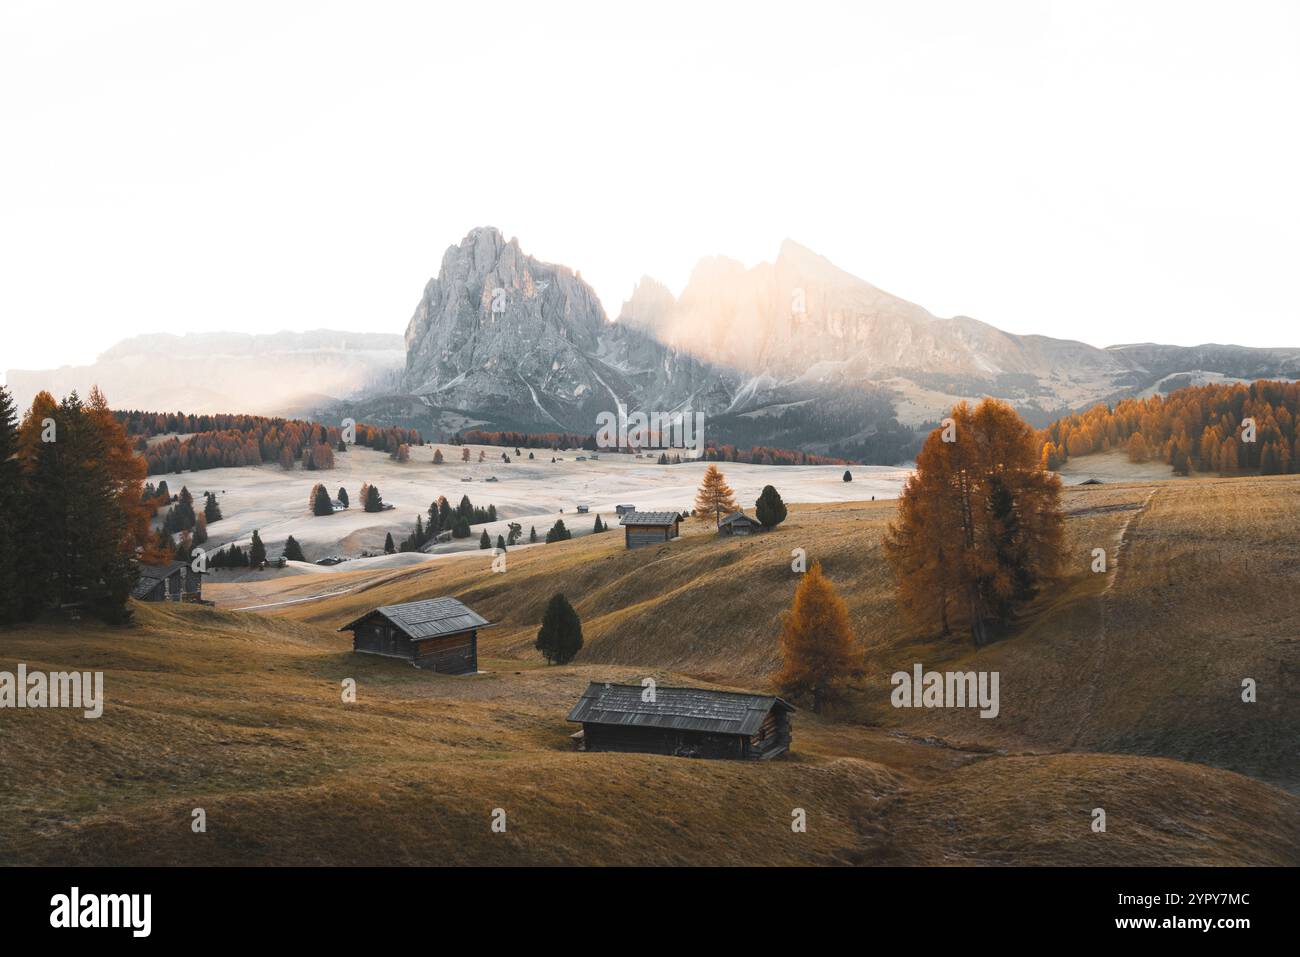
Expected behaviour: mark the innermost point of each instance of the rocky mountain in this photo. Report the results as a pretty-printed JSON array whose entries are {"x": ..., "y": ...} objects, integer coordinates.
[
  {"x": 802, "y": 319},
  {"x": 796, "y": 352},
  {"x": 274, "y": 374},
  {"x": 502, "y": 339}
]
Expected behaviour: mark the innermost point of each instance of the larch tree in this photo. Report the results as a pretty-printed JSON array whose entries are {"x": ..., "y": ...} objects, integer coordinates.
[
  {"x": 817, "y": 647},
  {"x": 715, "y": 496},
  {"x": 979, "y": 525}
]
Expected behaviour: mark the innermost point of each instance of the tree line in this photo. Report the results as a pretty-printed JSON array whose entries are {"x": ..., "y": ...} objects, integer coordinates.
[
  {"x": 73, "y": 517},
  {"x": 1197, "y": 428},
  {"x": 243, "y": 440}
]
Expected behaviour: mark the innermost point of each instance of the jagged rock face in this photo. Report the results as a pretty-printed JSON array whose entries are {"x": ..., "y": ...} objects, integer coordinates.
[{"x": 524, "y": 343}]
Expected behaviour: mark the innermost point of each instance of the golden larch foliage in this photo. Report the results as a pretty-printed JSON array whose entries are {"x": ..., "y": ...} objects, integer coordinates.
[{"x": 817, "y": 647}]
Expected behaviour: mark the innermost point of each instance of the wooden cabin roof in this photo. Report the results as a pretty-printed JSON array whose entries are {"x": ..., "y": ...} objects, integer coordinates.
[
  {"x": 427, "y": 619},
  {"x": 649, "y": 518},
  {"x": 736, "y": 518},
  {"x": 682, "y": 709}
]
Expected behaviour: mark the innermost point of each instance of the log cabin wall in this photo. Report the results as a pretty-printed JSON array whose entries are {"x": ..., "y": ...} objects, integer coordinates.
[
  {"x": 449, "y": 655},
  {"x": 605, "y": 737}
]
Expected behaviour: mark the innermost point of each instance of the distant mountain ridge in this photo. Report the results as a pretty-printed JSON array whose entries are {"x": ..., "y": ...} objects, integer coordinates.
[
  {"x": 271, "y": 374},
  {"x": 796, "y": 351}
]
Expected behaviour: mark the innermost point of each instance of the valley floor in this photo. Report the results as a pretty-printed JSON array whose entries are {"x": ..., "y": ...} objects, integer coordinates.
[{"x": 1119, "y": 691}]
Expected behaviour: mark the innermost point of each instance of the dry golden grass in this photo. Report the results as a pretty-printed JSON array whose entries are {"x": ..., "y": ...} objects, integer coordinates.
[{"x": 241, "y": 714}]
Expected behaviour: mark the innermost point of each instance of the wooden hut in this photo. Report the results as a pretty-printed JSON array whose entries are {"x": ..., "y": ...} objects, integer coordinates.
[
  {"x": 174, "y": 581},
  {"x": 738, "y": 523},
  {"x": 649, "y": 528},
  {"x": 686, "y": 722},
  {"x": 440, "y": 634}
]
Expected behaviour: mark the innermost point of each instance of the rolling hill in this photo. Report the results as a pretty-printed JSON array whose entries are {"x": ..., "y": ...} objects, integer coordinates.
[{"x": 1119, "y": 691}]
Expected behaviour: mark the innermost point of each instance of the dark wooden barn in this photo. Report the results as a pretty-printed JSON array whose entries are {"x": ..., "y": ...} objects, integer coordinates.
[
  {"x": 687, "y": 722},
  {"x": 649, "y": 528},
  {"x": 738, "y": 523},
  {"x": 440, "y": 634},
  {"x": 174, "y": 581}
]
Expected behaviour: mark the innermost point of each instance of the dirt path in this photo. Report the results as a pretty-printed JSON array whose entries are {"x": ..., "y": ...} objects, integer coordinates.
[{"x": 1097, "y": 671}]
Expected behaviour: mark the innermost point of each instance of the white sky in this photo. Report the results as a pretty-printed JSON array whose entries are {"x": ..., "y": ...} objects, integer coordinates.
[{"x": 1108, "y": 172}]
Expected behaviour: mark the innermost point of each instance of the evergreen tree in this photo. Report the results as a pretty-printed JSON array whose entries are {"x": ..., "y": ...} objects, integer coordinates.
[
  {"x": 321, "y": 504},
  {"x": 343, "y": 496},
  {"x": 769, "y": 509},
  {"x": 558, "y": 532},
  {"x": 11, "y": 494},
  {"x": 389, "y": 547},
  {"x": 532, "y": 534},
  {"x": 256, "y": 552},
  {"x": 599, "y": 526},
  {"x": 560, "y": 637},
  {"x": 211, "y": 510},
  {"x": 293, "y": 551},
  {"x": 848, "y": 476},
  {"x": 501, "y": 543},
  {"x": 437, "y": 456},
  {"x": 460, "y": 528},
  {"x": 373, "y": 501},
  {"x": 484, "y": 540}
]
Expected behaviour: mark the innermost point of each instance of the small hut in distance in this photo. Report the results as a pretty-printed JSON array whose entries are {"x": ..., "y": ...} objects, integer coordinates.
[
  {"x": 738, "y": 523},
  {"x": 440, "y": 634},
  {"x": 686, "y": 722},
  {"x": 649, "y": 528}
]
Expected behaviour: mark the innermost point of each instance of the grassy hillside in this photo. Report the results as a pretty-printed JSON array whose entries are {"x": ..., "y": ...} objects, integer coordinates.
[
  {"x": 241, "y": 713},
  {"x": 1147, "y": 658}
]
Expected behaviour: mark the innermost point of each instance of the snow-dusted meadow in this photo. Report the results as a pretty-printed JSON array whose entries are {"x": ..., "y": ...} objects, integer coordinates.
[{"x": 534, "y": 493}]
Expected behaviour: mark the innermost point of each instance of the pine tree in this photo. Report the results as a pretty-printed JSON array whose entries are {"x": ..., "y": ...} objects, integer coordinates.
[
  {"x": 343, "y": 496},
  {"x": 501, "y": 543},
  {"x": 211, "y": 510},
  {"x": 532, "y": 534},
  {"x": 817, "y": 649},
  {"x": 460, "y": 527},
  {"x": 848, "y": 476},
  {"x": 389, "y": 547},
  {"x": 715, "y": 496},
  {"x": 256, "y": 552},
  {"x": 374, "y": 503},
  {"x": 558, "y": 532},
  {"x": 560, "y": 637},
  {"x": 11, "y": 494},
  {"x": 599, "y": 526},
  {"x": 293, "y": 551},
  {"x": 484, "y": 540},
  {"x": 321, "y": 504},
  {"x": 769, "y": 509}
]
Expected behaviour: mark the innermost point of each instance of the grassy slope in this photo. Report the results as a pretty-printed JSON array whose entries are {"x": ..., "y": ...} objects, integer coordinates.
[{"x": 240, "y": 713}]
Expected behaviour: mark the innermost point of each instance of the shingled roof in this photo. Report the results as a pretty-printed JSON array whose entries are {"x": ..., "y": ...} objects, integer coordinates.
[
  {"x": 649, "y": 518},
  {"x": 427, "y": 619},
  {"x": 737, "y": 517},
  {"x": 683, "y": 709}
]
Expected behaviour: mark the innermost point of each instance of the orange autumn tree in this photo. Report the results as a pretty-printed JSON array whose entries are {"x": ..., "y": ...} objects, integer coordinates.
[
  {"x": 979, "y": 526},
  {"x": 715, "y": 496},
  {"x": 817, "y": 649},
  {"x": 127, "y": 471}
]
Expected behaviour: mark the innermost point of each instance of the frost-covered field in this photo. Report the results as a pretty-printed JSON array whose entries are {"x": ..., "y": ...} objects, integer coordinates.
[{"x": 533, "y": 493}]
